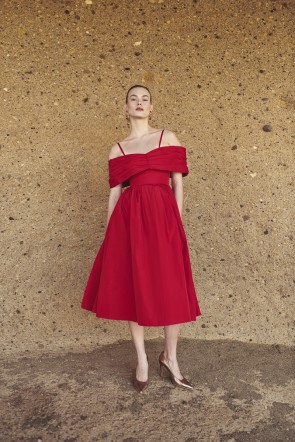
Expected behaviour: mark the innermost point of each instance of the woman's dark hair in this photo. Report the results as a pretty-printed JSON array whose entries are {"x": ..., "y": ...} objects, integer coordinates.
[{"x": 138, "y": 85}]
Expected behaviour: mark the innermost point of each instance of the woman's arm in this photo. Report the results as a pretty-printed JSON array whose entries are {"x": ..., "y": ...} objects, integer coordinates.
[
  {"x": 170, "y": 139},
  {"x": 116, "y": 191},
  {"x": 177, "y": 187},
  {"x": 115, "y": 194}
]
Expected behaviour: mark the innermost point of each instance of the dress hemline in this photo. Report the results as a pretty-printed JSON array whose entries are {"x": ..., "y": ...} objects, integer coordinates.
[{"x": 193, "y": 319}]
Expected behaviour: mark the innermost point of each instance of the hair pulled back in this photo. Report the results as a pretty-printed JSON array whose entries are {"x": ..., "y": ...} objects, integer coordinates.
[{"x": 138, "y": 85}]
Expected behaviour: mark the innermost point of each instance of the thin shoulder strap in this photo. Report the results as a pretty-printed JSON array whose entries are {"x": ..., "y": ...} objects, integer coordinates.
[
  {"x": 161, "y": 137},
  {"x": 121, "y": 149}
]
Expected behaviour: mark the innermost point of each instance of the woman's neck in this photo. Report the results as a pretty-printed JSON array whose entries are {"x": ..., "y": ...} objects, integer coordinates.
[{"x": 139, "y": 128}]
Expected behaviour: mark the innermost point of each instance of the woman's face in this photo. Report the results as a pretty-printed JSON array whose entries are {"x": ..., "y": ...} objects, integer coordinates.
[{"x": 138, "y": 104}]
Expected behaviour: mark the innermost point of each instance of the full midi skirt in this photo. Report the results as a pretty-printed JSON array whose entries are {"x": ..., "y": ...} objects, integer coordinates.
[{"x": 142, "y": 271}]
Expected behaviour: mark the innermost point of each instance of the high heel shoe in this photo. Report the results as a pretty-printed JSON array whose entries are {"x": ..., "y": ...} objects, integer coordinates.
[
  {"x": 183, "y": 383},
  {"x": 140, "y": 385}
]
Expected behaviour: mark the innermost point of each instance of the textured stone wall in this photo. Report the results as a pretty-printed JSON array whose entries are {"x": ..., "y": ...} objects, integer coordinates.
[{"x": 220, "y": 73}]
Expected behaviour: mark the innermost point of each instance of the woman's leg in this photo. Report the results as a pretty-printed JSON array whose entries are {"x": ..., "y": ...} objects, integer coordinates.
[
  {"x": 171, "y": 337},
  {"x": 137, "y": 334}
]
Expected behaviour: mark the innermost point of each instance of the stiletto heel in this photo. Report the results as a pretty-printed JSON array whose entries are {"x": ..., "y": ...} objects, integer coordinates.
[
  {"x": 140, "y": 385},
  {"x": 161, "y": 371},
  {"x": 183, "y": 383}
]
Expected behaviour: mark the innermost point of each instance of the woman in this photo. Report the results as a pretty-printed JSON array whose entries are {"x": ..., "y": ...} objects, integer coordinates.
[{"x": 142, "y": 272}]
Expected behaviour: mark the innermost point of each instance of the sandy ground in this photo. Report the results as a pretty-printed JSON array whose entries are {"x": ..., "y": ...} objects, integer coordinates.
[{"x": 242, "y": 392}]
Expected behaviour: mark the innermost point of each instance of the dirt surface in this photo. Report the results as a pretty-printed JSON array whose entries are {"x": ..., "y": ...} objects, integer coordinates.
[{"x": 242, "y": 392}]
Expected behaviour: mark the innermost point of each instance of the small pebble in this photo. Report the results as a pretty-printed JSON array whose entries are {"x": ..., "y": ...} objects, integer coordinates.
[{"x": 267, "y": 128}]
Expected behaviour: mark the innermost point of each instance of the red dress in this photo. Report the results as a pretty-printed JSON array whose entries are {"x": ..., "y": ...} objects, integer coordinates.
[{"x": 142, "y": 271}]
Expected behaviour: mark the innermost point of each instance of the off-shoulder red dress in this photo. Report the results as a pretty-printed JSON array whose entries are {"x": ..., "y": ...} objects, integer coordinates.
[{"x": 142, "y": 271}]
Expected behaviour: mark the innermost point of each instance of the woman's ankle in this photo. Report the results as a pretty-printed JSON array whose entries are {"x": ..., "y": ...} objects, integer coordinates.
[
  {"x": 169, "y": 358},
  {"x": 142, "y": 358}
]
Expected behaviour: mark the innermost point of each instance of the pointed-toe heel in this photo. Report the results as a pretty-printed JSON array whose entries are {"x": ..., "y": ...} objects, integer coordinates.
[
  {"x": 182, "y": 383},
  {"x": 139, "y": 385}
]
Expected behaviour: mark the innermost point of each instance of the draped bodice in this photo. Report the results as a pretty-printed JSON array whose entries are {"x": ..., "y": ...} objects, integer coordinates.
[
  {"x": 128, "y": 169},
  {"x": 150, "y": 176}
]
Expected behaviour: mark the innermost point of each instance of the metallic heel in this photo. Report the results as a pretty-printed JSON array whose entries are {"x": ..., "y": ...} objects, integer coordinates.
[
  {"x": 162, "y": 370},
  {"x": 182, "y": 383}
]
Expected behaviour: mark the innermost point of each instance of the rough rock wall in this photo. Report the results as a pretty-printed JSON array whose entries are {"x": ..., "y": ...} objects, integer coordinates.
[{"x": 220, "y": 73}]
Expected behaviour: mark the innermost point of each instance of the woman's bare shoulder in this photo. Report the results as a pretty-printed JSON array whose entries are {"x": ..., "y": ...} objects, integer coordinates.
[
  {"x": 170, "y": 138},
  {"x": 115, "y": 152}
]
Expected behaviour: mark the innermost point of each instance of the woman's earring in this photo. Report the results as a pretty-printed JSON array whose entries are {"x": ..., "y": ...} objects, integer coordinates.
[{"x": 150, "y": 115}]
